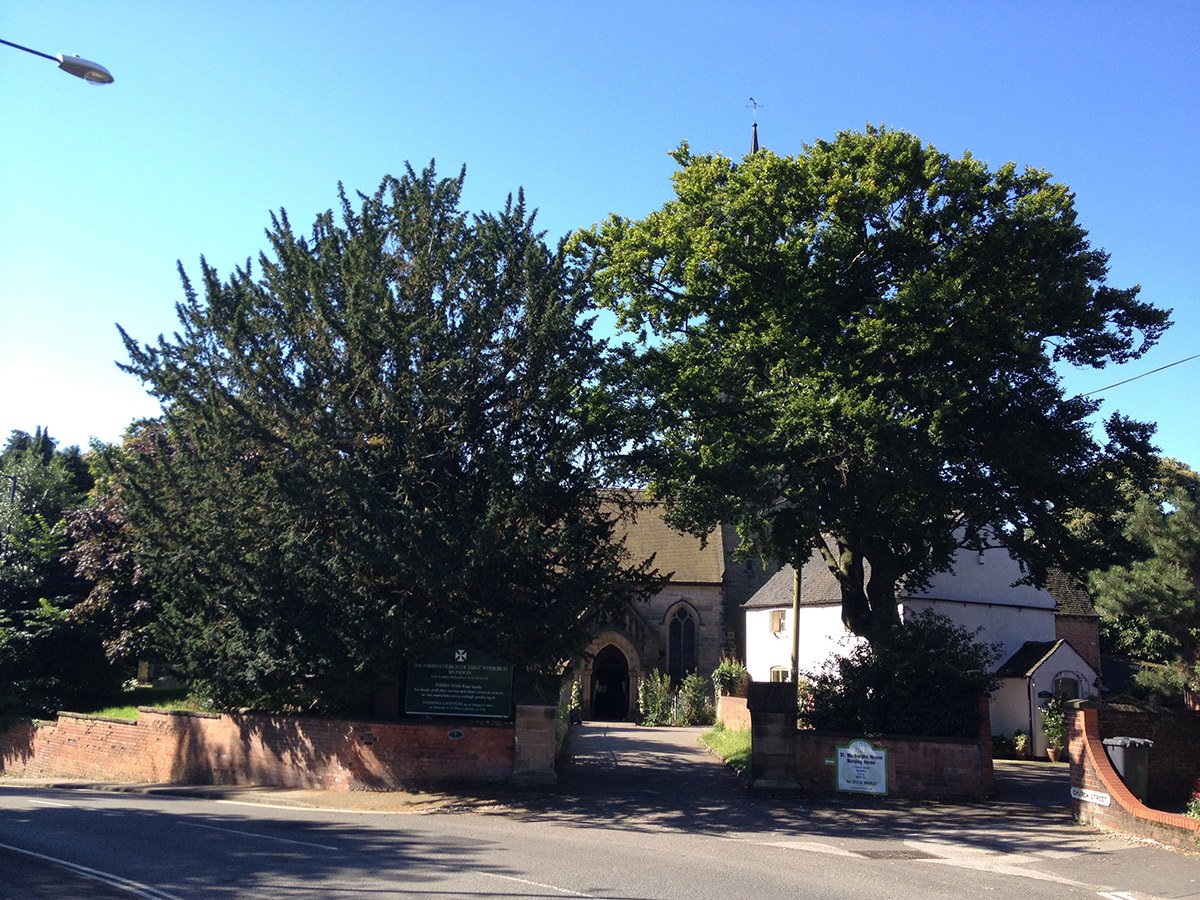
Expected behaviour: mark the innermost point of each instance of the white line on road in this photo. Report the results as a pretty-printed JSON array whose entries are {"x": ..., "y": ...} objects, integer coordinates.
[
  {"x": 265, "y": 837},
  {"x": 537, "y": 884},
  {"x": 51, "y": 803},
  {"x": 810, "y": 846},
  {"x": 136, "y": 888}
]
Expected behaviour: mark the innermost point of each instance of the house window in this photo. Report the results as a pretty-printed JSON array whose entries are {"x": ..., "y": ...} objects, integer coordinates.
[
  {"x": 779, "y": 673},
  {"x": 778, "y": 621},
  {"x": 681, "y": 644},
  {"x": 1066, "y": 687}
]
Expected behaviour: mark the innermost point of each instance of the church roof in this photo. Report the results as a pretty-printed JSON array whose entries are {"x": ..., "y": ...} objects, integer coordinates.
[{"x": 646, "y": 534}]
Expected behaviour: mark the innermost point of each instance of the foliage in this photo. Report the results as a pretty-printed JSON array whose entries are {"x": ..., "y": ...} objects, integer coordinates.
[
  {"x": 1020, "y": 741},
  {"x": 924, "y": 678},
  {"x": 854, "y": 350},
  {"x": 728, "y": 677},
  {"x": 385, "y": 440},
  {"x": 1054, "y": 723},
  {"x": 1150, "y": 608},
  {"x": 103, "y": 551},
  {"x": 48, "y": 662},
  {"x": 654, "y": 699},
  {"x": 693, "y": 705},
  {"x": 731, "y": 744},
  {"x": 1160, "y": 685},
  {"x": 1193, "y": 808}
]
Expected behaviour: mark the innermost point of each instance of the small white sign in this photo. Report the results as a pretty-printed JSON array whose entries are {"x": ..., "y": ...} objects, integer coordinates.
[
  {"x": 862, "y": 768},
  {"x": 1091, "y": 796}
]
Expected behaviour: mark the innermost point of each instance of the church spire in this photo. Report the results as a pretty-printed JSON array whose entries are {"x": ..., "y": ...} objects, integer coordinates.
[{"x": 754, "y": 105}]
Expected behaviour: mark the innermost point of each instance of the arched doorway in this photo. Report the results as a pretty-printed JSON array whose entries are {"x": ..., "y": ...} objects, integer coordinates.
[{"x": 610, "y": 685}]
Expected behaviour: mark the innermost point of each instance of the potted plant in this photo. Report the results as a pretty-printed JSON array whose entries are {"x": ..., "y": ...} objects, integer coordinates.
[
  {"x": 1054, "y": 724},
  {"x": 1020, "y": 743}
]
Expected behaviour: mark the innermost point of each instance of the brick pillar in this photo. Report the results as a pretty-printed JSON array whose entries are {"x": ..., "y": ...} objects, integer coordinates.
[
  {"x": 987, "y": 778},
  {"x": 534, "y": 747},
  {"x": 773, "y": 709}
]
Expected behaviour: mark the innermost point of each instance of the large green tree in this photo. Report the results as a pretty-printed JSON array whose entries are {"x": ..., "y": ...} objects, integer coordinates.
[
  {"x": 854, "y": 350},
  {"x": 1150, "y": 607},
  {"x": 378, "y": 443}
]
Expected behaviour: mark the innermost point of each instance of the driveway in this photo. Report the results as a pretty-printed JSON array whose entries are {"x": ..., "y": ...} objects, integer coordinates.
[{"x": 654, "y": 779}]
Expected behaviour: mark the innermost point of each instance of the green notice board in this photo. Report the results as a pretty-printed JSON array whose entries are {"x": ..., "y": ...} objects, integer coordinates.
[{"x": 459, "y": 682}]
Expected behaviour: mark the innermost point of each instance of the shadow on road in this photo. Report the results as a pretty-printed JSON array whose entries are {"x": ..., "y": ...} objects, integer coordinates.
[{"x": 649, "y": 779}]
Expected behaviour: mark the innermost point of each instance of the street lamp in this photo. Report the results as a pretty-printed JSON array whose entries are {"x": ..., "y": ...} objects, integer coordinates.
[{"x": 92, "y": 73}]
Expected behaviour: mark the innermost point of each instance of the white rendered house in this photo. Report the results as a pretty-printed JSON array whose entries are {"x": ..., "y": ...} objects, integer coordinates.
[{"x": 977, "y": 593}]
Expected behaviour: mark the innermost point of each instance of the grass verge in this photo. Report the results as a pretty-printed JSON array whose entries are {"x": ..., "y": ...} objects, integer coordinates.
[
  {"x": 126, "y": 706},
  {"x": 731, "y": 744}
]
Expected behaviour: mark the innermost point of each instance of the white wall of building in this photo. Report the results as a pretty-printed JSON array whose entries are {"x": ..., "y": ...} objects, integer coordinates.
[
  {"x": 989, "y": 581},
  {"x": 821, "y": 635},
  {"x": 1007, "y": 625}
]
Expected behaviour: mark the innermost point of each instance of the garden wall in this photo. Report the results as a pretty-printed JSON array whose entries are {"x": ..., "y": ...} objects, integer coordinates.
[
  {"x": 168, "y": 746},
  {"x": 732, "y": 712},
  {"x": 783, "y": 756},
  {"x": 1099, "y": 797}
]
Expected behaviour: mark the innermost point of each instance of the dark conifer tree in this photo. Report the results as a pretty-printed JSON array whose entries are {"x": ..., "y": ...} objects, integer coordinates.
[{"x": 379, "y": 443}]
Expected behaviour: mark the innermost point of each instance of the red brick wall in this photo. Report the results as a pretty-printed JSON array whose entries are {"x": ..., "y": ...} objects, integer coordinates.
[
  {"x": 1109, "y": 804},
  {"x": 1175, "y": 756},
  {"x": 916, "y": 767},
  {"x": 919, "y": 768},
  {"x": 732, "y": 712},
  {"x": 200, "y": 748}
]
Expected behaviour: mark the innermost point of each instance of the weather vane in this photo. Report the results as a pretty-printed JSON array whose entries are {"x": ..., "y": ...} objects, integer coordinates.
[{"x": 756, "y": 106}]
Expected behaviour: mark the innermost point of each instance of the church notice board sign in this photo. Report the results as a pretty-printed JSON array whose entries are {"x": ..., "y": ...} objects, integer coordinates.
[
  {"x": 862, "y": 768},
  {"x": 459, "y": 682}
]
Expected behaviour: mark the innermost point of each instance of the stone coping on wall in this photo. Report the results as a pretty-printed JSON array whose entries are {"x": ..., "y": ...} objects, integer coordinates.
[{"x": 1100, "y": 797}]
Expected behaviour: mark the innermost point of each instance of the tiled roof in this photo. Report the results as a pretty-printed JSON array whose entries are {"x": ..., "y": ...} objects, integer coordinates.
[
  {"x": 817, "y": 587},
  {"x": 1069, "y": 596},
  {"x": 1025, "y": 661},
  {"x": 646, "y": 534}
]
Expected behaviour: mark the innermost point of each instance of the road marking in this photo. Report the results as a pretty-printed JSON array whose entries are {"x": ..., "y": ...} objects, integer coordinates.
[
  {"x": 134, "y": 887},
  {"x": 537, "y": 884},
  {"x": 51, "y": 803},
  {"x": 292, "y": 807},
  {"x": 265, "y": 837},
  {"x": 811, "y": 846},
  {"x": 1117, "y": 895}
]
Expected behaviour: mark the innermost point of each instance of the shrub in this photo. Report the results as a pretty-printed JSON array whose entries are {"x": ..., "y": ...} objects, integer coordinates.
[
  {"x": 1020, "y": 742},
  {"x": 693, "y": 706},
  {"x": 922, "y": 677},
  {"x": 1193, "y": 808},
  {"x": 1054, "y": 723},
  {"x": 654, "y": 699},
  {"x": 728, "y": 677}
]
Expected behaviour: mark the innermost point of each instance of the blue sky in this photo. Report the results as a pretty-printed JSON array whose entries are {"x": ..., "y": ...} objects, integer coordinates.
[{"x": 223, "y": 112}]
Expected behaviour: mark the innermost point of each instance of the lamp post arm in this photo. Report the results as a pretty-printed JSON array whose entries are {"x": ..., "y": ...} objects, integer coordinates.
[{"x": 28, "y": 50}]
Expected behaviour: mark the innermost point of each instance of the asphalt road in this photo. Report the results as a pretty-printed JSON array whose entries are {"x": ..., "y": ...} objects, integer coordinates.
[{"x": 640, "y": 813}]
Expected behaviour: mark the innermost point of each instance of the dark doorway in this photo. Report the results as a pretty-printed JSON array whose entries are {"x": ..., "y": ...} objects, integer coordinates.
[{"x": 610, "y": 685}]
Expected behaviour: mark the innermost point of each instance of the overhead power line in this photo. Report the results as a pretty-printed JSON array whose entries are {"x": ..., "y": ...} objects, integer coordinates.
[{"x": 1143, "y": 375}]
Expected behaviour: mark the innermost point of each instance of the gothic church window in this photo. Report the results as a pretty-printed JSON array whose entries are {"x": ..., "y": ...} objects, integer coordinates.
[{"x": 681, "y": 644}]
